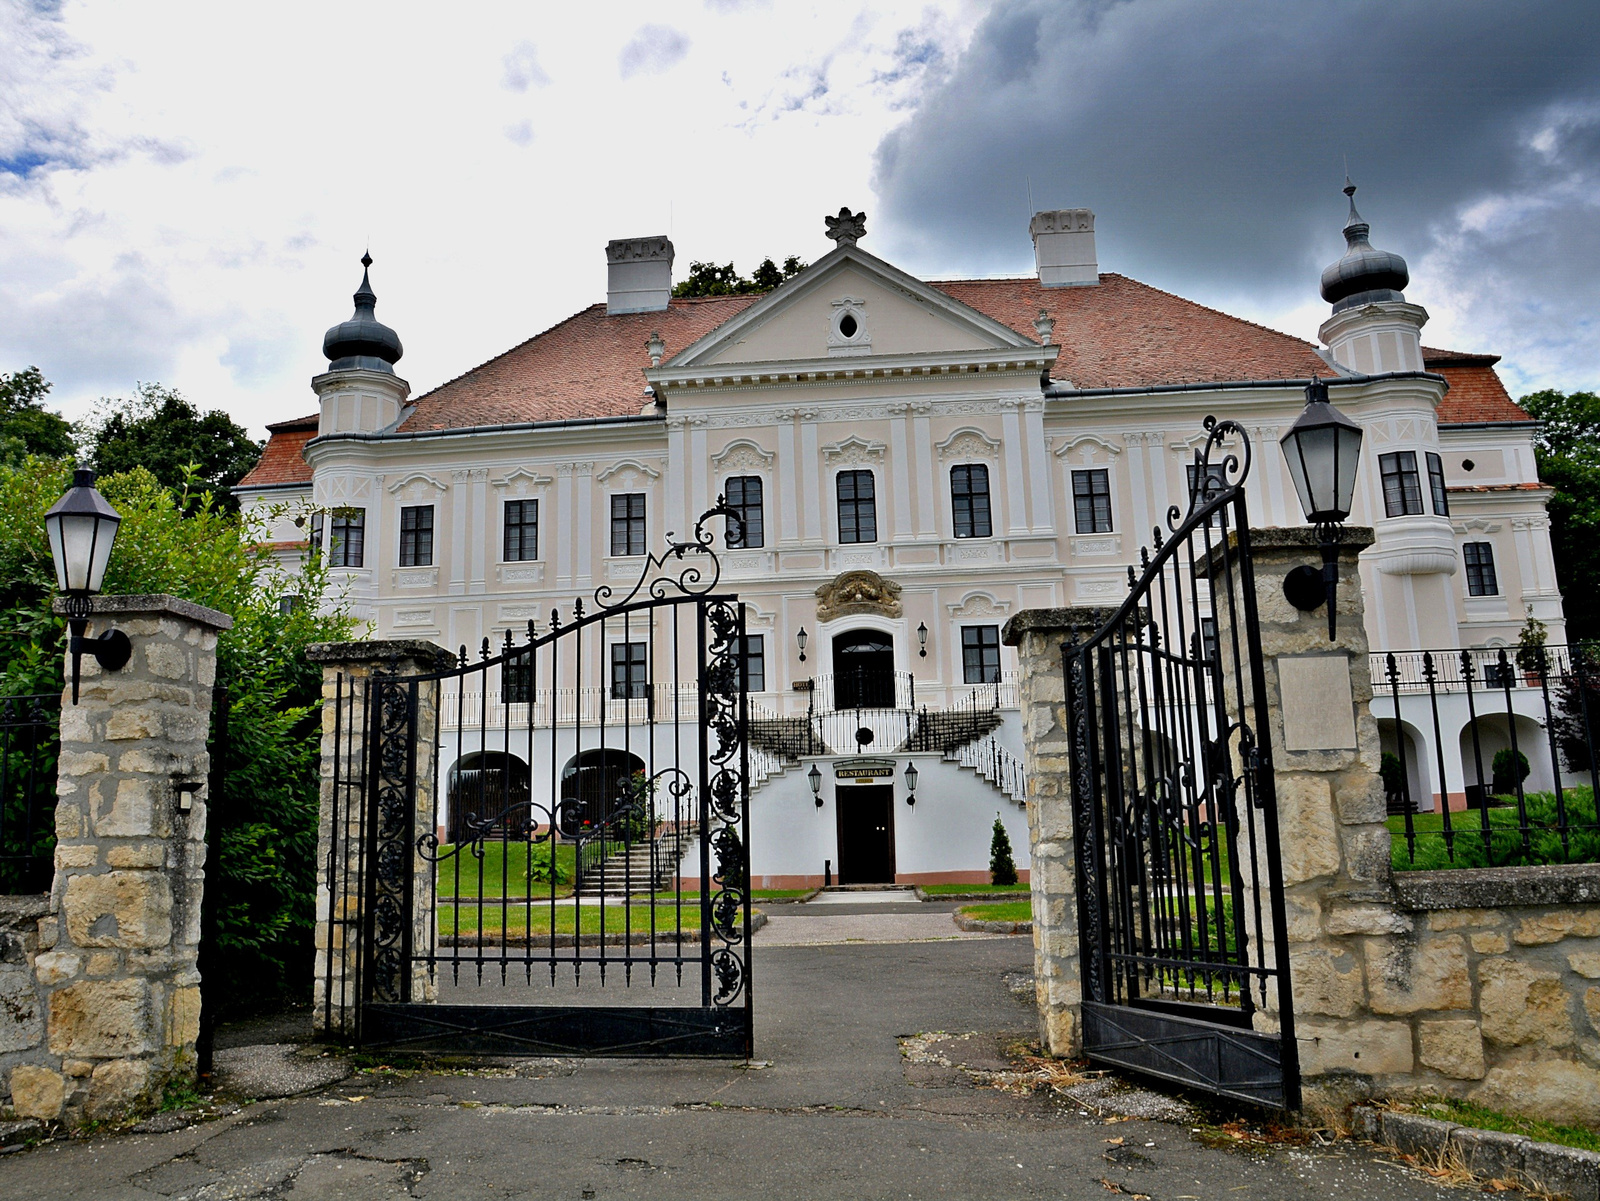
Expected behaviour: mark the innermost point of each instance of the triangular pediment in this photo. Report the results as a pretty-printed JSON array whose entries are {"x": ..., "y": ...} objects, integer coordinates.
[{"x": 850, "y": 306}]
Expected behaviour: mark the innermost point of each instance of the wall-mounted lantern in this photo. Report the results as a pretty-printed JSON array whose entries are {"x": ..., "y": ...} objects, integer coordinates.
[
  {"x": 815, "y": 777},
  {"x": 1323, "y": 450},
  {"x": 82, "y": 528},
  {"x": 911, "y": 783},
  {"x": 922, "y": 639},
  {"x": 800, "y": 638}
]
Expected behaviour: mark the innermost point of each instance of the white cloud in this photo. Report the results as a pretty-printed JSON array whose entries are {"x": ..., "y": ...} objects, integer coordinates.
[
  {"x": 522, "y": 69},
  {"x": 654, "y": 49}
]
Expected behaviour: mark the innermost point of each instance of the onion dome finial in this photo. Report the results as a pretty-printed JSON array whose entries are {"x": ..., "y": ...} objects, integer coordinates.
[
  {"x": 1363, "y": 275},
  {"x": 363, "y": 341}
]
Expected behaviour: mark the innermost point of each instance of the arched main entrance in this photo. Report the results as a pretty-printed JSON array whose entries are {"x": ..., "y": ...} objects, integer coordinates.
[
  {"x": 863, "y": 670},
  {"x": 598, "y": 780}
]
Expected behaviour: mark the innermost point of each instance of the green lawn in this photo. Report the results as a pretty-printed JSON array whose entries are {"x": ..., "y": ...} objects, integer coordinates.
[
  {"x": 1544, "y": 839},
  {"x": 515, "y": 922},
  {"x": 939, "y": 890},
  {"x": 503, "y": 870},
  {"x": 1469, "y": 1113},
  {"x": 1003, "y": 911}
]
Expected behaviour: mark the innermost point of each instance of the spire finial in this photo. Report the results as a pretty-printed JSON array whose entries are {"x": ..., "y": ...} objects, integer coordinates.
[
  {"x": 1354, "y": 218},
  {"x": 365, "y": 297}
]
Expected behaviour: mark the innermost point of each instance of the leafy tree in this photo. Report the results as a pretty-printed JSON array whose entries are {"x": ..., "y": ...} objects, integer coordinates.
[
  {"x": 159, "y": 430},
  {"x": 26, "y": 426},
  {"x": 182, "y": 541},
  {"x": 1568, "y": 451},
  {"x": 711, "y": 279},
  {"x": 1002, "y": 868}
]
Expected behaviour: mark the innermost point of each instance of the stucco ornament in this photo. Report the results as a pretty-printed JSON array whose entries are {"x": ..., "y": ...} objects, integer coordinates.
[
  {"x": 858, "y": 592},
  {"x": 847, "y": 228}
]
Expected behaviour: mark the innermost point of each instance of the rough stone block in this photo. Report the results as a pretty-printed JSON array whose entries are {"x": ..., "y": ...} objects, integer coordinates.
[
  {"x": 101, "y": 1019},
  {"x": 1325, "y": 981},
  {"x": 20, "y": 1025},
  {"x": 183, "y": 1028},
  {"x": 1585, "y": 963},
  {"x": 141, "y": 854},
  {"x": 135, "y": 721},
  {"x": 137, "y": 811},
  {"x": 1367, "y": 1048},
  {"x": 1307, "y": 831},
  {"x": 119, "y": 909},
  {"x": 1541, "y": 928},
  {"x": 1366, "y": 853},
  {"x": 1556, "y": 1090},
  {"x": 52, "y": 967},
  {"x": 37, "y": 1092},
  {"x": 1460, "y": 919},
  {"x": 117, "y": 1088},
  {"x": 1591, "y": 1006},
  {"x": 1452, "y": 1048},
  {"x": 76, "y": 1067},
  {"x": 1489, "y": 1152},
  {"x": 76, "y": 855},
  {"x": 166, "y": 661},
  {"x": 82, "y": 763},
  {"x": 101, "y": 963},
  {"x": 1489, "y": 942},
  {"x": 1403, "y": 977},
  {"x": 1521, "y": 1004},
  {"x": 1366, "y": 919}
]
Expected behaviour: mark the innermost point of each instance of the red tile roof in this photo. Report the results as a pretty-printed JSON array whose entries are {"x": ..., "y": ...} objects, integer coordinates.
[
  {"x": 590, "y": 365},
  {"x": 1124, "y": 334},
  {"x": 281, "y": 462},
  {"x": 1120, "y": 334},
  {"x": 1476, "y": 393}
]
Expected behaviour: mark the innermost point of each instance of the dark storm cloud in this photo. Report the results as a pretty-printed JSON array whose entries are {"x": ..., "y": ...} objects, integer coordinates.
[{"x": 1210, "y": 135}]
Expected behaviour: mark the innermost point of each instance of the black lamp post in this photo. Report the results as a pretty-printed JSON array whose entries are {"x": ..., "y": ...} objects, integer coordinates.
[
  {"x": 1323, "y": 450},
  {"x": 922, "y": 639},
  {"x": 82, "y": 529},
  {"x": 911, "y": 783},
  {"x": 815, "y": 776},
  {"x": 800, "y": 638}
]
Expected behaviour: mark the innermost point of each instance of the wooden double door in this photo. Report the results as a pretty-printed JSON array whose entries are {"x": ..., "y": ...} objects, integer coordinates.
[{"x": 866, "y": 833}]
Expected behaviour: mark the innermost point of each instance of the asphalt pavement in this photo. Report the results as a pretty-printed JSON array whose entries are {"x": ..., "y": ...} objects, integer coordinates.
[{"x": 884, "y": 1069}]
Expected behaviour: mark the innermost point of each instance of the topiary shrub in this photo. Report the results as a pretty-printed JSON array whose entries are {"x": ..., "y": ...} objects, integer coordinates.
[
  {"x": 1509, "y": 772},
  {"x": 1002, "y": 868}
]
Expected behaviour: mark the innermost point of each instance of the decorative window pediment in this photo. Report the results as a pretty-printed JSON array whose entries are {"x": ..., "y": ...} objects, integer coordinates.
[
  {"x": 854, "y": 452},
  {"x": 1088, "y": 448},
  {"x": 968, "y": 443},
  {"x": 416, "y": 486},
  {"x": 743, "y": 455},
  {"x": 979, "y": 604},
  {"x": 629, "y": 473}
]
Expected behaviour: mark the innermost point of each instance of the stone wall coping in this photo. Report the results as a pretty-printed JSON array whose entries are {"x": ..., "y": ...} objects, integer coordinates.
[
  {"x": 153, "y": 604},
  {"x": 1297, "y": 538},
  {"x": 1565, "y": 1171},
  {"x": 24, "y": 908},
  {"x": 1078, "y": 619},
  {"x": 386, "y": 650},
  {"x": 1495, "y": 887}
]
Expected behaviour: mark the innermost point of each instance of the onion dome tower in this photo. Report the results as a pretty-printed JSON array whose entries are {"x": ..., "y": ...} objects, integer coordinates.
[
  {"x": 360, "y": 391},
  {"x": 1373, "y": 329}
]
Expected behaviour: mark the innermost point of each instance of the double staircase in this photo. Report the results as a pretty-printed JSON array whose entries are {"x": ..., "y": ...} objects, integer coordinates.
[{"x": 638, "y": 868}]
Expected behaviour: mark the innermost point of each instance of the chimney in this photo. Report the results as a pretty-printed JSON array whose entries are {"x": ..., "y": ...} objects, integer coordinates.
[
  {"x": 638, "y": 274},
  {"x": 1063, "y": 248}
]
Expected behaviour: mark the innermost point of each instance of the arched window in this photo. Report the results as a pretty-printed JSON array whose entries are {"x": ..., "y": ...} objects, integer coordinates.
[
  {"x": 863, "y": 670},
  {"x": 484, "y": 787},
  {"x": 600, "y": 781}
]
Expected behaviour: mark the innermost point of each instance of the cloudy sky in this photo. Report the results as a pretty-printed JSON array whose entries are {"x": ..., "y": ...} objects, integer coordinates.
[{"x": 185, "y": 188}]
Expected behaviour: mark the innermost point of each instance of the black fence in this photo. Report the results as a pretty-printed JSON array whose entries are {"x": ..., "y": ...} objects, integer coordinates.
[
  {"x": 30, "y": 744},
  {"x": 1523, "y": 707}
]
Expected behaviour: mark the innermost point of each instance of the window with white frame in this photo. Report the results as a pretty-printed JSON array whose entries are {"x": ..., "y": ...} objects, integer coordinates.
[
  {"x": 630, "y": 679},
  {"x": 858, "y": 506},
  {"x": 743, "y": 495},
  {"x": 969, "y": 500},
  {"x": 1479, "y": 560},
  {"x": 1091, "y": 501},
  {"x": 521, "y": 530},
  {"x": 980, "y": 654},
  {"x": 416, "y": 536}
]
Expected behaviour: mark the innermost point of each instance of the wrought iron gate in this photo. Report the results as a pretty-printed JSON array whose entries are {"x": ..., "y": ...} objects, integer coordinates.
[
  {"x": 547, "y": 850},
  {"x": 1180, "y": 904}
]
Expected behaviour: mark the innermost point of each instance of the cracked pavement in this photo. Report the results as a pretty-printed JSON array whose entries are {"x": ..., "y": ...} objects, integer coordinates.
[{"x": 850, "y": 1103}]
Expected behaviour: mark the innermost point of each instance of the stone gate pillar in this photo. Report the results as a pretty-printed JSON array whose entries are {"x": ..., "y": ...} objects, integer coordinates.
[
  {"x": 347, "y": 671},
  {"x": 116, "y": 967},
  {"x": 1039, "y": 635}
]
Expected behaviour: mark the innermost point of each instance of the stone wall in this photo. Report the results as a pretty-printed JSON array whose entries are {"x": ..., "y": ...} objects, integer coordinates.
[
  {"x": 114, "y": 958},
  {"x": 347, "y": 671}
]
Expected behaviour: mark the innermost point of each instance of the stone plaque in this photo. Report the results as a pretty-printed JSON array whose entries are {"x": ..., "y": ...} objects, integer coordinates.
[{"x": 1318, "y": 713}]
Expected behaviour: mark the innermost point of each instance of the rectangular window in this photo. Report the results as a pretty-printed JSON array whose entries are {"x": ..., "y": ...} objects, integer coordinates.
[
  {"x": 1402, "y": 489},
  {"x": 348, "y": 542},
  {"x": 755, "y": 660},
  {"x": 629, "y": 676},
  {"x": 522, "y": 530},
  {"x": 1441, "y": 498},
  {"x": 627, "y": 523},
  {"x": 858, "y": 507},
  {"x": 1091, "y": 501},
  {"x": 1216, "y": 480},
  {"x": 1208, "y": 639},
  {"x": 743, "y": 494},
  {"x": 969, "y": 500},
  {"x": 1479, "y": 558},
  {"x": 416, "y": 536},
  {"x": 980, "y": 654},
  {"x": 516, "y": 679}
]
